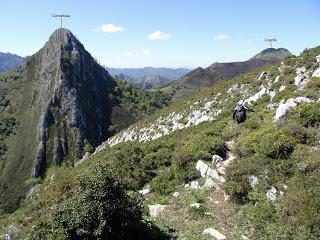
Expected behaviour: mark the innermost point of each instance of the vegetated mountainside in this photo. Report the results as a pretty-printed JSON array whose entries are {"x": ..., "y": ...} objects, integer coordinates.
[
  {"x": 57, "y": 106},
  {"x": 201, "y": 78},
  {"x": 148, "y": 77},
  {"x": 9, "y": 61},
  {"x": 201, "y": 175}
]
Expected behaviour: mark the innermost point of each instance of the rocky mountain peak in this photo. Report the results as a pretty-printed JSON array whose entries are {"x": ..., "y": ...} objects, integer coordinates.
[
  {"x": 273, "y": 54},
  {"x": 62, "y": 36},
  {"x": 66, "y": 104}
]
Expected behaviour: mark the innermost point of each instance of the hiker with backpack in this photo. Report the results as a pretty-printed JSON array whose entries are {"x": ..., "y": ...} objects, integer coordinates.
[{"x": 239, "y": 113}]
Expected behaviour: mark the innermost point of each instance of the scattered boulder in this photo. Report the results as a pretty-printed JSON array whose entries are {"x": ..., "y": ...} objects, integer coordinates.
[
  {"x": 209, "y": 183},
  {"x": 272, "y": 94},
  {"x": 221, "y": 170},
  {"x": 263, "y": 75},
  {"x": 226, "y": 197},
  {"x": 6, "y": 237},
  {"x": 144, "y": 191},
  {"x": 282, "y": 87},
  {"x": 176, "y": 194},
  {"x": 256, "y": 96},
  {"x": 301, "y": 79},
  {"x": 216, "y": 159},
  {"x": 156, "y": 210},
  {"x": 213, "y": 174},
  {"x": 284, "y": 107},
  {"x": 207, "y": 172},
  {"x": 271, "y": 106},
  {"x": 230, "y": 157},
  {"x": 195, "y": 205},
  {"x": 253, "y": 181},
  {"x": 243, "y": 237},
  {"x": 272, "y": 194},
  {"x": 194, "y": 185},
  {"x": 316, "y": 73},
  {"x": 318, "y": 58},
  {"x": 214, "y": 233},
  {"x": 202, "y": 168}
]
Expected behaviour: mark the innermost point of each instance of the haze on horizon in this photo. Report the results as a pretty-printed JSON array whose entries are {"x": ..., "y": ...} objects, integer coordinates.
[{"x": 166, "y": 33}]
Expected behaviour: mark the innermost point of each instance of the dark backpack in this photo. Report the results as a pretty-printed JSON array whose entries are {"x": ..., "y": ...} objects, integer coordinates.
[{"x": 239, "y": 114}]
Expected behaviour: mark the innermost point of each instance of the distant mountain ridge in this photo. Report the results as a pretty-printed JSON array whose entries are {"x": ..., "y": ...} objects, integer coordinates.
[
  {"x": 203, "y": 77},
  {"x": 273, "y": 54},
  {"x": 9, "y": 61},
  {"x": 148, "y": 77}
]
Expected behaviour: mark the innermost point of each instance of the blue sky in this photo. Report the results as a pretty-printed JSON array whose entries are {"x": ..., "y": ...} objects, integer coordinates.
[{"x": 167, "y": 33}]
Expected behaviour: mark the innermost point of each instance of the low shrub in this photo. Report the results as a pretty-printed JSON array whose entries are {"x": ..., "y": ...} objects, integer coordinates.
[
  {"x": 269, "y": 141},
  {"x": 101, "y": 210}
]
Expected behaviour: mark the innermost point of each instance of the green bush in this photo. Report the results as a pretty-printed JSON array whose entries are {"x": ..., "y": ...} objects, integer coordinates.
[
  {"x": 301, "y": 134},
  {"x": 269, "y": 141},
  {"x": 33, "y": 181},
  {"x": 88, "y": 147},
  {"x": 261, "y": 215},
  {"x": 314, "y": 83},
  {"x": 237, "y": 178},
  {"x": 204, "y": 145},
  {"x": 101, "y": 210},
  {"x": 184, "y": 167},
  {"x": 309, "y": 114},
  {"x": 165, "y": 182}
]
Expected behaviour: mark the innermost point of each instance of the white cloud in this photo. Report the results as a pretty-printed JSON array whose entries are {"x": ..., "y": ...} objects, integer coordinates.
[
  {"x": 146, "y": 51},
  {"x": 143, "y": 52},
  {"x": 157, "y": 35},
  {"x": 222, "y": 36},
  {"x": 128, "y": 54},
  {"x": 110, "y": 28}
]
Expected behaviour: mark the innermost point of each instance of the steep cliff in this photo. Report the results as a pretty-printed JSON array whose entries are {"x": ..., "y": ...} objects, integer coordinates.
[{"x": 61, "y": 100}]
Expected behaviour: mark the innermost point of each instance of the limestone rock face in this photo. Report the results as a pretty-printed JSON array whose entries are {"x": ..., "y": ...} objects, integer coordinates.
[
  {"x": 61, "y": 98},
  {"x": 285, "y": 106},
  {"x": 71, "y": 90}
]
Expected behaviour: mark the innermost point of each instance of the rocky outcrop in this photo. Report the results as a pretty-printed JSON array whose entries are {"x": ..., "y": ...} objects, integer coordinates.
[
  {"x": 214, "y": 233},
  {"x": 165, "y": 125},
  {"x": 302, "y": 78},
  {"x": 286, "y": 106}
]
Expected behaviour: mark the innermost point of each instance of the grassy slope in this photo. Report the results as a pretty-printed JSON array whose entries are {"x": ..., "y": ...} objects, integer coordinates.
[{"x": 168, "y": 163}]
